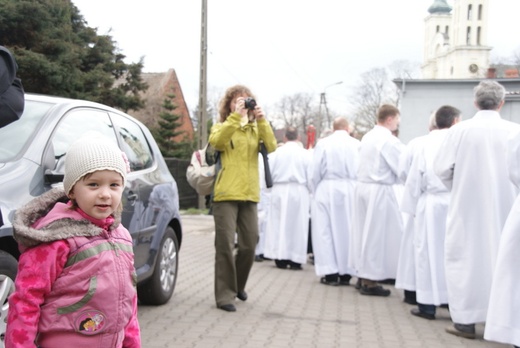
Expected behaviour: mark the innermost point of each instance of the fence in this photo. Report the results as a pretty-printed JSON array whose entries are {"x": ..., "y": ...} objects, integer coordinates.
[{"x": 188, "y": 197}]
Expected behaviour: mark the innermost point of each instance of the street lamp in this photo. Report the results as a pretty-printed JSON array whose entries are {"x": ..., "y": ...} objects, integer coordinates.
[{"x": 323, "y": 100}]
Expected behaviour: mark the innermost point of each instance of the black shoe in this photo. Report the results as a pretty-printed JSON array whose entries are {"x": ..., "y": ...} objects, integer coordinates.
[
  {"x": 462, "y": 330},
  {"x": 228, "y": 308},
  {"x": 282, "y": 264},
  {"x": 242, "y": 295},
  {"x": 418, "y": 313},
  {"x": 259, "y": 258},
  {"x": 324, "y": 280},
  {"x": 374, "y": 291},
  {"x": 344, "y": 279},
  {"x": 295, "y": 266}
]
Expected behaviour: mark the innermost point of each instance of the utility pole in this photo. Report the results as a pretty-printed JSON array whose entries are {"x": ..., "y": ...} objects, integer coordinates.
[
  {"x": 203, "y": 113},
  {"x": 323, "y": 101}
]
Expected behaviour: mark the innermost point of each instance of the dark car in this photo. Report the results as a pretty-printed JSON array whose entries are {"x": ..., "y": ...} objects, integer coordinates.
[{"x": 32, "y": 152}]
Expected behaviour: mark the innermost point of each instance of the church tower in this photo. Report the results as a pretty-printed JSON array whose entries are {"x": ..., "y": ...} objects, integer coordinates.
[{"x": 455, "y": 38}]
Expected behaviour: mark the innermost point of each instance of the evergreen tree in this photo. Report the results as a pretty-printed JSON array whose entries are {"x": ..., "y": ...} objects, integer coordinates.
[
  {"x": 58, "y": 54},
  {"x": 168, "y": 130}
]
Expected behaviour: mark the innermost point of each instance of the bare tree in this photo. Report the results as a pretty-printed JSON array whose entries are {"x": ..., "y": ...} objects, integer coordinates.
[
  {"x": 375, "y": 89},
  {"x": 297, "y": 110}
]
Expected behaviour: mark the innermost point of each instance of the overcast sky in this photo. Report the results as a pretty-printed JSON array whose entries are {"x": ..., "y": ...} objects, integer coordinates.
[{"x": 279, "y": 47}]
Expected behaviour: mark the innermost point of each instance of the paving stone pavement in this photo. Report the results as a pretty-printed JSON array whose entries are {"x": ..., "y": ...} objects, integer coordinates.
[{"x": 285, "y": 309}]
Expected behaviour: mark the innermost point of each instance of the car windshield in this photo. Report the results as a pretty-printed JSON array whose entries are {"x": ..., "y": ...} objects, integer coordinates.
[{"x": 14, "y": 136}]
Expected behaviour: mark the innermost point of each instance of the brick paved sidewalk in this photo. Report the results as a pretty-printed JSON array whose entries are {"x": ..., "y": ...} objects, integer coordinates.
[{"x": 285, "y": 309}]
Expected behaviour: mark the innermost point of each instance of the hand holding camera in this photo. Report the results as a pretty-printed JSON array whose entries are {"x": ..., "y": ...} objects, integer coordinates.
[
  {"x": 255, "y": 112},
  {"x": 247, "y": 107}
]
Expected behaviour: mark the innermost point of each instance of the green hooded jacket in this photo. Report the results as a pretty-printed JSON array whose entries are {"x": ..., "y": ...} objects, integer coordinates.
[{"x": 238, "y": 179}]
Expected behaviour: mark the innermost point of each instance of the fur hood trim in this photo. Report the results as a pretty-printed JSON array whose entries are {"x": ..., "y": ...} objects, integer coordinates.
[{"x": 60, "y": 229}]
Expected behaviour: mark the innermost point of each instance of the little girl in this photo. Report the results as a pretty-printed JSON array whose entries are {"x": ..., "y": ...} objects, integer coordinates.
[{"x": 76, "y": 277}]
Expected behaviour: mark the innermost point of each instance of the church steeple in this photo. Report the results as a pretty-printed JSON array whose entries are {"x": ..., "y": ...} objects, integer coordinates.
[{"x": 439, "y": 6}]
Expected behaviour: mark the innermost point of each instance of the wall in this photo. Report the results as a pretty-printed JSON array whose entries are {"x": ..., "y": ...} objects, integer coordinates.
[{"x": 419, "y": 98}]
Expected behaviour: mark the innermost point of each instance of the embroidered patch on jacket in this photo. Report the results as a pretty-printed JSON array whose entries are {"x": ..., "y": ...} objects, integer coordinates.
[{"x": 90, "y": 322}]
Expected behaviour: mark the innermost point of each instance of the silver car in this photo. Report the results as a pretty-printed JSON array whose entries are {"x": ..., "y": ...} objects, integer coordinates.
[{"x": 32, "y": 151}]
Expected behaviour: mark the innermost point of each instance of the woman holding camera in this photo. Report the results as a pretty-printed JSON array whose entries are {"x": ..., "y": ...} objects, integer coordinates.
[{"x": 237, "y": 136}]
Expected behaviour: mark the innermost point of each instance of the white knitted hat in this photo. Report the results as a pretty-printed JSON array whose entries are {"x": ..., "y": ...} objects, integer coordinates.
[{"x": 90, "y": 154}]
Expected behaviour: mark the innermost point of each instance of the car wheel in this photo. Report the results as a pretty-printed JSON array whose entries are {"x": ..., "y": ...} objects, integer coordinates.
[
  {"x": 8, "y": 270},
  {"x": 159, "y": 288}
]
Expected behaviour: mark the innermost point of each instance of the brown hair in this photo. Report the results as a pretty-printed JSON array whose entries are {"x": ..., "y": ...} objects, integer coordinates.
[
  {"x": 386, "y": 111},
  {"x": 224, "y": 108}
]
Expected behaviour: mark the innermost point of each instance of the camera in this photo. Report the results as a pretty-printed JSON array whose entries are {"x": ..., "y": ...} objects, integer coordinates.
[{"x": 250, "y": 103}]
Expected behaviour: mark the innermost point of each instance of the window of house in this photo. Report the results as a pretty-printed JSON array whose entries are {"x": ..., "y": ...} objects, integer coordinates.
[
  {"x": 447, "y": 30},
  {"x": 468, "y": 36},
  {"x": 470, "y": 12},
  {"x": 479, "y": 12},
  {"x": 437, "y": 29},
  {"x": 478, "y": 36}
]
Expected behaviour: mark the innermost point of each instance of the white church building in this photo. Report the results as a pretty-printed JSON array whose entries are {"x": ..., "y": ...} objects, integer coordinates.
[
  {"x": 455, "y": 40},
  {"x": 456, "y": 59}
]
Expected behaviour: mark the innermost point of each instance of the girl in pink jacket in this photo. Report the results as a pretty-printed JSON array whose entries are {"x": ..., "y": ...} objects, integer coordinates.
[{"x": 76, "y": 277}]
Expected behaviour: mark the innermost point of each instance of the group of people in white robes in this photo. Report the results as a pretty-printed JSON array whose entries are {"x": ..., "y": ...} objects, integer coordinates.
[
  {"x": 461, "y": 184},
  {"x": 461, "y": 189}
]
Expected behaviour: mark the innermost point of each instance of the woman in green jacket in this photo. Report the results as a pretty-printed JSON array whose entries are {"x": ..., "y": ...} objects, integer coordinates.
[{"x": 237, "y": 136}]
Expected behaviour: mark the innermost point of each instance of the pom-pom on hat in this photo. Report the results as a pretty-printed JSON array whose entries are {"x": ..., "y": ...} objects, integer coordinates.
[{"x": 90, "y": 154}]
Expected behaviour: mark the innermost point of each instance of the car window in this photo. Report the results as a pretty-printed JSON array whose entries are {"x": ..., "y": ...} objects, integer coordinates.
[
  {"x": 134, "y": 143},
  {"x": 75, "y": 124},
  {"x": 15, "y": 135}
]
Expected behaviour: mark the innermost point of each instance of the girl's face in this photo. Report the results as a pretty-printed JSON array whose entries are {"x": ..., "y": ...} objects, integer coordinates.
[{"x": 98, "y": 194}]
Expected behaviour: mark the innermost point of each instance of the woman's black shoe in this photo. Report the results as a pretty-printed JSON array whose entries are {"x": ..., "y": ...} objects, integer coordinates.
[
  {"x": 228, "y": 308},
  {"x": 242, "y": 295}
]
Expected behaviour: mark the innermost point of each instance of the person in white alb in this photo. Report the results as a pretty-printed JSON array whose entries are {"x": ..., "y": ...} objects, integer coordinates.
[
  {"x": 287, "y": 230},
  {"x": 335, "y": 163},
  {"x": 405, "y": 278},
  {"x": 503, "y": 318},
  {"x": 472, "y": 163},
  {"x": 426, "y": 198},
  {"x": 378, "y": 224}
]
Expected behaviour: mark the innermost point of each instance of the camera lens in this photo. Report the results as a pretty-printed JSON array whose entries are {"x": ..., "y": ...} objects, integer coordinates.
[{"x": 250, "y": 103}]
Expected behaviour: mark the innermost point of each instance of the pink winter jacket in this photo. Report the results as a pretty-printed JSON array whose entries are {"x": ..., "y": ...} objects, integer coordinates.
[{"x": 76, "y": 280}]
